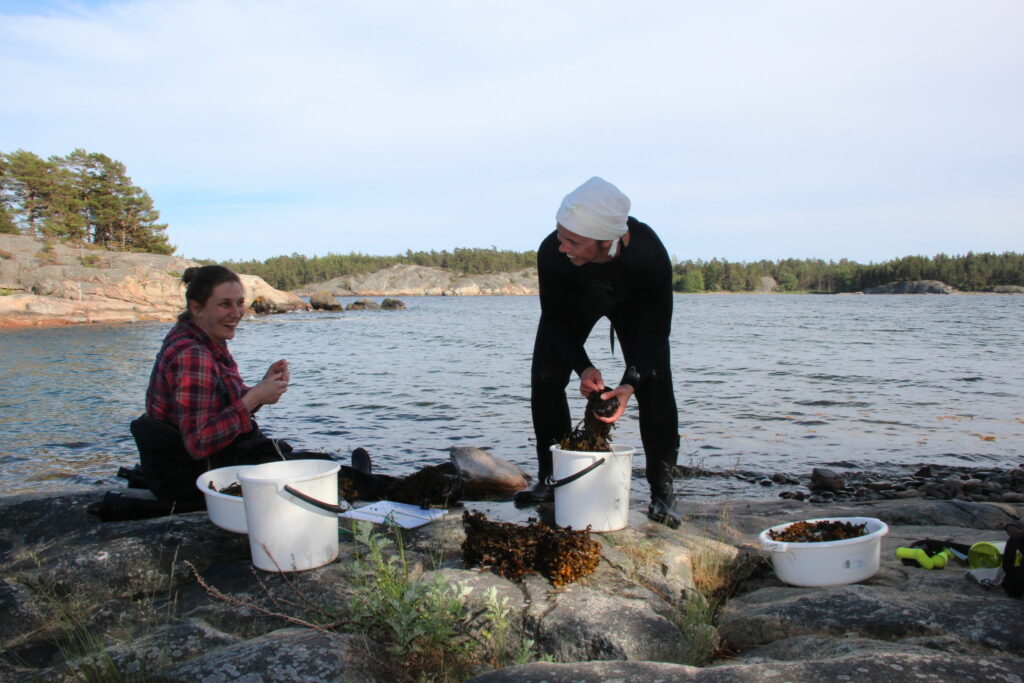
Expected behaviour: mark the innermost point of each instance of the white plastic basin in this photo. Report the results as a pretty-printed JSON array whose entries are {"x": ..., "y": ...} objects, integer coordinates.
[
  {"x": 827, "y": 563},
  {"x": 226, "y": 511}
]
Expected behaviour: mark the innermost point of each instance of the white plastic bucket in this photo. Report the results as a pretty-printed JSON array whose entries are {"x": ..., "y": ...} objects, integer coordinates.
[
  {"x": 226, "y": 511},
  {"x": 285, "y": 533},
  {"x": 827, "y": 563},
  {"x": 599, "y": 498}
]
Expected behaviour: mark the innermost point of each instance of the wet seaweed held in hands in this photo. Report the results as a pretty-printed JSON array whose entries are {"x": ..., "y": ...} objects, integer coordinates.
[
  {"x": 816, "y": 532},
  {"x": 592, "y": 434},
  {"x": 513, "y": 551}
]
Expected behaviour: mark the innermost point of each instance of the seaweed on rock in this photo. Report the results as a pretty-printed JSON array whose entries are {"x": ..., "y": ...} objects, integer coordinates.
[{"x": 513, "y": 551}]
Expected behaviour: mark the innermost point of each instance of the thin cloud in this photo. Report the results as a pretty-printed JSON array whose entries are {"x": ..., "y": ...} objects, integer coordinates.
[{"x": 262, "y": 128}]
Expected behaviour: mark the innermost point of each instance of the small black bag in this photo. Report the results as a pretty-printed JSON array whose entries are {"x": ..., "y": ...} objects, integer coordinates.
[{"x": 1013, "y": 573}]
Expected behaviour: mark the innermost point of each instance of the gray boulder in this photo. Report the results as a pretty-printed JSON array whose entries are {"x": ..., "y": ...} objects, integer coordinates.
[
  {"x": 823, "y": 479},
  {"x": 363, "y": 305},
  {"x": 324, "y": 301},
  {"x": 391, "y": 304}
]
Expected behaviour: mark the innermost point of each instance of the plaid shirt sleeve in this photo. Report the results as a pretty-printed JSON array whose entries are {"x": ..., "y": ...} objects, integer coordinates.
[{"x": 206, "y": 423}]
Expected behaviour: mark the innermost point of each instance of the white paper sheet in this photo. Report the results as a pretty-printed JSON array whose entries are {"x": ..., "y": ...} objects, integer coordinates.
[{"x": 401, "y": 514}]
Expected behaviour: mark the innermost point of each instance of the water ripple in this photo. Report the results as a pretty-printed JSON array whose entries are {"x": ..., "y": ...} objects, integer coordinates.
[{"x": 772, "y": 384}]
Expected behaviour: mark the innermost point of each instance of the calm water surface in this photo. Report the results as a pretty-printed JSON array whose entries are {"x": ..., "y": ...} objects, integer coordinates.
[{"x": 764, "y": 383}]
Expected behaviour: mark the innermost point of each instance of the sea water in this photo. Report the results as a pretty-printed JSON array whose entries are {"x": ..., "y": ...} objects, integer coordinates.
[{"x": 764, "y": 383}]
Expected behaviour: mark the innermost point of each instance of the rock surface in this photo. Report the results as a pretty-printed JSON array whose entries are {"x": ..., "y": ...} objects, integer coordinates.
[
  {"x": 363, "y": 305},
  {"x": 64, "y": 284},
  {"x": 322, "y": 300},
  {"x": 410, "y": 280},
  {"x": 912, "y": 287},
  {"x": 635, "y": 619}
]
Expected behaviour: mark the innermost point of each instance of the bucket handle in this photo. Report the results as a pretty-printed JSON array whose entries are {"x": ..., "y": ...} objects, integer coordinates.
[
  {"x": 554, "y": 483},
  {"x": 313, "y": 501}
]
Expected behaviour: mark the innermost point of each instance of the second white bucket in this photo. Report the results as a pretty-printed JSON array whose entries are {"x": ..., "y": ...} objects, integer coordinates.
[
  {"x": 599, "y": 497},
  {"x": 285, "y": 533}
]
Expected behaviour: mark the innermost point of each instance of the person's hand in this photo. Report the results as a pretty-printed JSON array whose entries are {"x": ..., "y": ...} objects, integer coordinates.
[
  {"x": 621, "y": 392},
  {"x": 591, "y": 381},
  {"x": 271, "y": 387},
  {"x": 267, "y": 392},
  {"x": 279, "y": 370}
]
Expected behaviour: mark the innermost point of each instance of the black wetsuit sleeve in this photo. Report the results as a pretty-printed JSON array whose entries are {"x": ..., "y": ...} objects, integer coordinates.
[
  {"x": 648, "y": 305},
  {"x": 560, "y": 313}
]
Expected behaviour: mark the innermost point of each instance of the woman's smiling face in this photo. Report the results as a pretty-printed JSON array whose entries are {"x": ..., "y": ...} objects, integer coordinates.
[{"x": 221, "y": 313}]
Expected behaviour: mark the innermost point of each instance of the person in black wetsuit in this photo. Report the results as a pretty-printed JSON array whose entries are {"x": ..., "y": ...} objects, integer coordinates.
[{"x": 601, "y": 262}]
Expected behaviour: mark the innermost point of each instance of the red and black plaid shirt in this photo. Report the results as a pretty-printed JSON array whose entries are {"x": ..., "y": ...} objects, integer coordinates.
[{"x": 195, "y": 386}]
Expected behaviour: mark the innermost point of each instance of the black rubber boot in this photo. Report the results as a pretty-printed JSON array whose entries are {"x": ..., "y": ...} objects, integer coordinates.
[
  {"x": 118, "y": 506},
  {"x": 540, "y": 493},
  {"x": 361, "y": 461},
  {"x": 663, "y": 510}
]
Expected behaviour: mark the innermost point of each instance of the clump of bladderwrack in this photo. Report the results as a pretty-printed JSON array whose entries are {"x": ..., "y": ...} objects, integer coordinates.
[
  {"x": 232, "y": 489},
  {"x": 513, "y": 551},
  {"x": 816, "y": 532},
  {"x": 592, "y": 434}
]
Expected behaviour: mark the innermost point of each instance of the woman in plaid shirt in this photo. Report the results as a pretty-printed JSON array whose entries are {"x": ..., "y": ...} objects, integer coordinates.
[{"x": 198, "y": 410}]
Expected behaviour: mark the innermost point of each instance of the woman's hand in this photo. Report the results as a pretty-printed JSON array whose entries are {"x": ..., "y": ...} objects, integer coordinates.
[
  {"x": 271, "y": 387},
  {"x": 591, "y": 381},
  {"x": 621, "y": 392},
  {"x": 279, "y": 370}
]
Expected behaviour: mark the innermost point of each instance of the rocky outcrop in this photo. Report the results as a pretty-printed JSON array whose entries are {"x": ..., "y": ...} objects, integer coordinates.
[
  {"x": 1008, "y": 289},
  {"x": 322, "y": 300},
  {"x": 410, "y": 280},
  {"x": 392, "y": 304},
  {"x": 363, "y": 305},
  {"x": 912, "y": 287},
  {"x": 131, "y": 586},
  {"x": 62, "y": 284}
]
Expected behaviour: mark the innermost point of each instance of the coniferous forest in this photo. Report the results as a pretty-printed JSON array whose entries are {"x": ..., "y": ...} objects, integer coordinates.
[
  {"x": 81, "y": 197},
  {"x": 968, "y": 273},
  {"x": 89, "y": 198}
]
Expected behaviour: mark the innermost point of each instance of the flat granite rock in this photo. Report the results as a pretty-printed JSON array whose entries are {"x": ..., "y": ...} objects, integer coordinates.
[{"x": 176, "y": 598}]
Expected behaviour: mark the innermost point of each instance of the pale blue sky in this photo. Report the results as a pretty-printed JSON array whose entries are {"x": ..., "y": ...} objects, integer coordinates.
[{"x": 866, "y": 130}]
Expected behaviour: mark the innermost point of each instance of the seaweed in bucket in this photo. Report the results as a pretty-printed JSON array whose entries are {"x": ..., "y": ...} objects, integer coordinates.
[
  {"x": 592, "y": 434},
  {"x": 232, "y": 489},
  {"x": 816, "y": 532}
]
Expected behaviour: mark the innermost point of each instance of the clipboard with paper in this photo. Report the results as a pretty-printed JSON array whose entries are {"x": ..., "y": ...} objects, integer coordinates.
[{"x": 396, "y": 514}]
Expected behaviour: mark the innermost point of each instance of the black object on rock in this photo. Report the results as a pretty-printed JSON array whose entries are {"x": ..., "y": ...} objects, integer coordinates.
[
  {"x": 119, "y": 506},
  {"x": 540, "y": 493},
  {"x": 662, "y": 510},
  {"x": 361, "y": 461}
]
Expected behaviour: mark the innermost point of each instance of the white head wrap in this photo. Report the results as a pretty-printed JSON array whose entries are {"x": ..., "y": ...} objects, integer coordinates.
[{"x": 596, "y": 209}]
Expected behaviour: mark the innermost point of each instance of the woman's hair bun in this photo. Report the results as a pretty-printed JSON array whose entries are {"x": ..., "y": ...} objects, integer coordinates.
[{"x": 189, "y": 274}]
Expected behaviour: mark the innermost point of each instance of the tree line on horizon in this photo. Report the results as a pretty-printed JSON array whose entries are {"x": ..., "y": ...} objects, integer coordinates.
[
  {"x": 82, "y": 197},
  {"x": 88, "y": 198},
  {"x": 292, "y": 272},
  {"x": 969, "y": 273}
]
